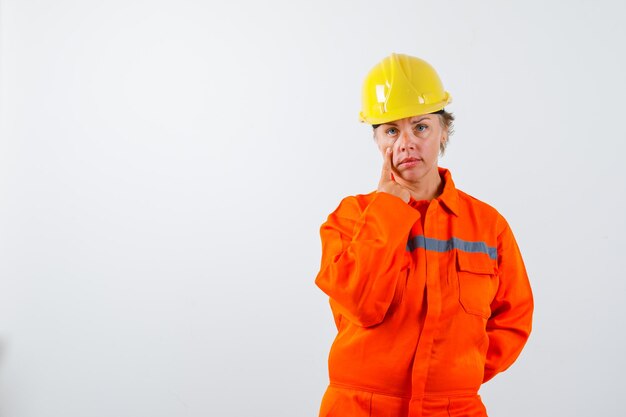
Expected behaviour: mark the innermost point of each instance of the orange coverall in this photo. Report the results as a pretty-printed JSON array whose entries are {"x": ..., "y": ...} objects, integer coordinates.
[{"x": 425, "y": 314}]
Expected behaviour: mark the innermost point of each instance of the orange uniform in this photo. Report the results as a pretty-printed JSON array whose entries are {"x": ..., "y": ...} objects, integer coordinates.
[{"x": 427, "y": 309}]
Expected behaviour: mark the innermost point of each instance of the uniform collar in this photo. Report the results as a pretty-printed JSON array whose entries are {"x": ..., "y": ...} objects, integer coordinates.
[{"x": 449, "y": 196}]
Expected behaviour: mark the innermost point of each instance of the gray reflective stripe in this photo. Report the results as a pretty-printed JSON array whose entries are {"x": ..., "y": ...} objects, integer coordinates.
[{"x": 438, "y": 245}]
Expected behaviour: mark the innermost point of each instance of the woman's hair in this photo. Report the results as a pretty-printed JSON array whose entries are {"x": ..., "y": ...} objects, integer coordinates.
[{"x": 447, "y": 122}]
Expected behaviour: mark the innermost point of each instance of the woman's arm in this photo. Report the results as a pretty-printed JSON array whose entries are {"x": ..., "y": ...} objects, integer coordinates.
[
  {"x": 363, "y": 252},
  {"x": 510, "y": 323}
]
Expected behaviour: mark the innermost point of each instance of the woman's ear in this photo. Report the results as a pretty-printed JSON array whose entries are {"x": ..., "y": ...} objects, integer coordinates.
[{"x": 444, "y": 142}]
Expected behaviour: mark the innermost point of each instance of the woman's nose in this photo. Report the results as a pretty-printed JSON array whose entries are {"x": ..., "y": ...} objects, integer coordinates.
[{"x": 405, "y": 142}]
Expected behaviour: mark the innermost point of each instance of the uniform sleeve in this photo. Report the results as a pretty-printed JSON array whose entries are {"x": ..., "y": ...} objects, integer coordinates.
[
  {"x": 509, "y": 326},
  {"x": 363, "y": 252}
]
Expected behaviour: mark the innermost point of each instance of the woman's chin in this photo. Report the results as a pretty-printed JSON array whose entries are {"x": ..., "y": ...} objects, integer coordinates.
[{"x": 410, "y": 175}]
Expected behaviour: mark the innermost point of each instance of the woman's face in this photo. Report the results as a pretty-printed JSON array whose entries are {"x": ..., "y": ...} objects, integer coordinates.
[{"x": 415, "y": 144}]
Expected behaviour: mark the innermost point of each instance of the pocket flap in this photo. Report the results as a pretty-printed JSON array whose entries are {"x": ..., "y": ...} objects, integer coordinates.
[{"x": 477, "y": 263}]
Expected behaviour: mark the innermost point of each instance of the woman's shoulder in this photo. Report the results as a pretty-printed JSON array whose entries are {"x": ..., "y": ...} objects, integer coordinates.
[{"x": 474, "y": 205}]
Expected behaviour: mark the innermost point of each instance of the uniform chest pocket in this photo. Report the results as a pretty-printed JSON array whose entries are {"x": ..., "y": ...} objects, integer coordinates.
[{"x": 478, "y": 282}]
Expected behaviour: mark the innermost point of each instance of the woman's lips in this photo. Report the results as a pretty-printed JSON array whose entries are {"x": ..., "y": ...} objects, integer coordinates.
[{"x": 409, "y": 162}]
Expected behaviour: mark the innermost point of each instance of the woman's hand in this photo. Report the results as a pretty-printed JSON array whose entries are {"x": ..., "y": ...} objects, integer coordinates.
[{"x": 387, "y": 183}]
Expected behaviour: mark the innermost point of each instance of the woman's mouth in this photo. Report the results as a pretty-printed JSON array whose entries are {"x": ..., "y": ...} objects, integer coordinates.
[{"x": 409, "y": 162}]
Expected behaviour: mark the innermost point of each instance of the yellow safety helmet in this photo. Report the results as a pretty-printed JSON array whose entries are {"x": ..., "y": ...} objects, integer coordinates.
[{"x": 401, "y": 86}]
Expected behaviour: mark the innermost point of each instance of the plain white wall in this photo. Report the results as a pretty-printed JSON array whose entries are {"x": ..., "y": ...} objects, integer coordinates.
[{"x": 165, "y": 167}]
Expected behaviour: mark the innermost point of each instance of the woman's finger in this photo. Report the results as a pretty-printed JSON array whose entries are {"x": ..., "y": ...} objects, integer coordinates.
[{"x": 387, "y": 163}]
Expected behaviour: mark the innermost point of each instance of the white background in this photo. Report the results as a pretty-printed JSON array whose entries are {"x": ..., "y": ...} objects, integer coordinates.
[{"x": 165, "y": 167}]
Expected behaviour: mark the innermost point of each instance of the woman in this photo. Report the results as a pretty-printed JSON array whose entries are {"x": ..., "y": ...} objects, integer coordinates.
[{"x": 426, "y": 283}]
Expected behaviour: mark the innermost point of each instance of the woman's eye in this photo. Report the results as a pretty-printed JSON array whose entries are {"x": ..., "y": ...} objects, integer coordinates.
[
  {"x": 392, "y": 131},
  {"x": 420, "y": 128}
]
